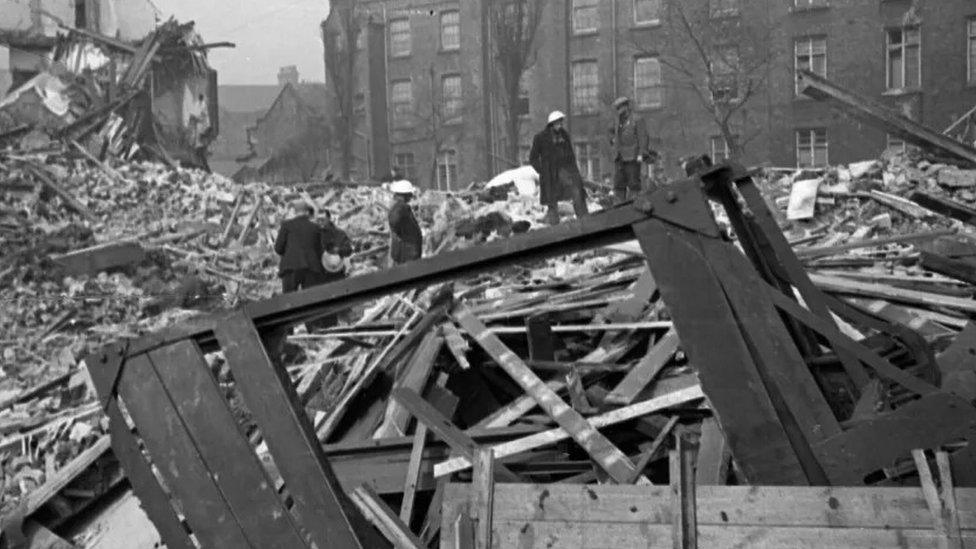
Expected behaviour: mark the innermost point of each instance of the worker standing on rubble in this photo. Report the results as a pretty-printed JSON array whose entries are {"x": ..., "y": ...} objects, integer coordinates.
[
  {"x": 630, "y": 142},
  {"x": 553, "y": 158},
  {"x": 406, "y": 239},
  {"x": 300, "y": 243}
]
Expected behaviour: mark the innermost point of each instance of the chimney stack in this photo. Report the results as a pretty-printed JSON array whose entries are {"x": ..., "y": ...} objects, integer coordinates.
[{"x": 288, "y": 75}]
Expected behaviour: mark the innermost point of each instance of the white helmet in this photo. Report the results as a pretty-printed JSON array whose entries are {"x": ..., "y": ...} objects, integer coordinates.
[
  {"x": 555, "y": 115},
  {"x": 402, "y": 186}
]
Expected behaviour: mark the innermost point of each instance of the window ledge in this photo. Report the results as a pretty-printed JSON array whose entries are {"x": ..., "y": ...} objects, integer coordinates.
[
  {"x": 649, "y": 108},
  {"x": 901, "y": 91},
  {"x": 729, "y": 14},
  {"x": 587, "y": 32},
  {"x": 449, "y": 50},
  {"x": 653, "y": 24},
  {"x": 809, "y": 9},
  {"x": 454, "y": 122},
  {"x": 399, "y": 55}
]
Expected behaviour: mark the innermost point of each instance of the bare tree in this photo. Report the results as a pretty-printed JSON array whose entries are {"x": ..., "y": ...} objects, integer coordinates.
[
  {"x": 438, "y": 124},
  {"x": 722, "y": 60},
  {"x": 341, "y": 37},
  {"x": 514, "y": 35}
]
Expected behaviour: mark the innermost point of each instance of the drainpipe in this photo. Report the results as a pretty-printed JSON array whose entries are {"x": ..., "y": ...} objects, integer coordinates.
[
  {"x": 569, "y": 68},
  {"x": 613, "y": 47}
]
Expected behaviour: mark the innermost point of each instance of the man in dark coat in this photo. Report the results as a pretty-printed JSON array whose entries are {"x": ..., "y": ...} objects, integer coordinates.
[
  {"x": 406, "y": 239},
  {"x": 553, "y": 158},
  {"x": 630, "y": 143},
  {"x": 338, "y": 249},
  {"x": 300, "y": 244}
]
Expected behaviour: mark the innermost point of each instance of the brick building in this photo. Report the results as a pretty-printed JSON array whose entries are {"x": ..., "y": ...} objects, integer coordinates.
[{"x": 916, "y": 56}]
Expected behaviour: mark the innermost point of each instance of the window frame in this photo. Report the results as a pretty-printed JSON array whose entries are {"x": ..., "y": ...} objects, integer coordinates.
[
  {"x": 576, "y": 8},
  {"x": 970, "y": 51},
  {"x": 902, "y": 47},
  {"x": 441, "y": 161},
  {"x": 660, "y": 83},
  {"x": 401, "y": 121},
  {"x": 589, "y": 162},
  {"x": 810, "y": 54},
  {"x": 647, "y": 22},
  {"x": 726, "y": 152},
  {"x": 575, "y": 106},
  {"x": 454, "y": 117},
  {"x": 724, "y": 11},
  {"x": 812, "y": 134},
  {"x": 810, "y": 4},
  {"x": 409, "y": 40},
  {"x": 457, "y": 25},
  {"x": 408, "y": 170}
]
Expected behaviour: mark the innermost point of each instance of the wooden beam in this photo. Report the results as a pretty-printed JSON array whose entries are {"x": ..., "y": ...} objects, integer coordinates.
[
  {"x": 876, "y": 114},
  {"x": 65, "y": 475},
  {"x": 880, "y": 366},
  {"x": 945, "y": 206},
  {"x": 443, "y": 428},
  {"x": 483, "y": 496},
  {"x": 93, "y": 260},
  {"x": 645, "y": 371},
  {"x": 684, "y": 525},
  {"x": 850, "y": 287},
  {"x": 608, "y": 456},
  {"x": 712, "y": 466},
  {"x": 541, "y": 343},
  {"x": 933, "y": 501},
  {"x": 444, "y": 402},
  {"x": 651, "y": 451},
  {"x": 531, "y": 442},
  {"x": 821, "y": 251},
  {"x": 384, "y": 519},
  {"x": 956, "y": 268},
  {"x": 414, "y": 376}
]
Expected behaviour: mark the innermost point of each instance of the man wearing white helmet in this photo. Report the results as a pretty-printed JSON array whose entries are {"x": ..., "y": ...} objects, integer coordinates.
[
  {"x": 553, "y": 158},
  {"x": 406, "y": 239}
]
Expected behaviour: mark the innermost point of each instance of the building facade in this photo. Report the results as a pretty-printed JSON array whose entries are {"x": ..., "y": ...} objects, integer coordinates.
[{"x": 701, "y": 73}]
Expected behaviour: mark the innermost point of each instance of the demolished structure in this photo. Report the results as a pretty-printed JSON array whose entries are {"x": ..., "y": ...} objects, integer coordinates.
[
  {"x": 151, "y": 100},
  {"x": 689, "y": 369}
]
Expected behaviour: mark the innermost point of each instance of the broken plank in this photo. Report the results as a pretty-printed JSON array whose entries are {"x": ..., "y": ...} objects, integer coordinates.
[
  {"x": 645, "y": 371},
  {"x": 880, "y": 365},
  {"x": 246, "y": 227},
  {"x": 541, "y": 343},
  {"x": 945, "y": 206},
  {"x": 384, "y": 519},
  {"x": 843, "y": 286},
  {"x": 538, "y": 440},
  {"x": 72, "y": 203},
  {"x": 414, "y": 377},
  {"x": 684, "y": 526},
  {"x": 483, "y": 496},
  {"x": 52, "y": 485},
  {"x": 901, "y": 315},
  {"x": 821, "y": 251},
  {"x": 95, "y": 259},
  {"x": 956, "y": 268},
  {"x": 713, "y": 455},
  {"x": 608, "y": 456},
  {"x": 443, "y": 428},
  {"x": 444, "y": 402},
  {"x": 652, "y": 450}
]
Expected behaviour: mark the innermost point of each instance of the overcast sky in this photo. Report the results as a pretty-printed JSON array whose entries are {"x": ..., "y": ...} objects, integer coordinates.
[{"x": 269, "y": 34}]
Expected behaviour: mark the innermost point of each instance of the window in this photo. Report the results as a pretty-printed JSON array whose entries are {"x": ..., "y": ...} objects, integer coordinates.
[
  {"x": 586, "y": 16},
  {"x": 904, "y": 58},
  {"x": 971, "y": 47},
  {"x": 400, "y": 37},
  {"x": 807, "y": 4},
  {"x": 406, "y": 165},
  {"x": 361, "y": 39},
  {"x": 447, "y": 170},
  {"x": 725, "y": 73},
  {"x": 402, "y": 100},
  {"x": 719, "y": 148},
  {"x": 895, "y": 143},
  {"x": 451, "y": 96},
  {"x": 81, "y": 15},
  {"x": 586, "y": 87},
  {"x": 588, "y": 158},
  {"x": 723, "y": 8},
  {"x": 647, "y": 83},
  {"x": 811, "y": 148},
  {"x": 450, "y": 30},
  {"x": 523, "y": 98},
  {"x": 647, "y": 12},
  {"x": 811, "y": 55}
]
